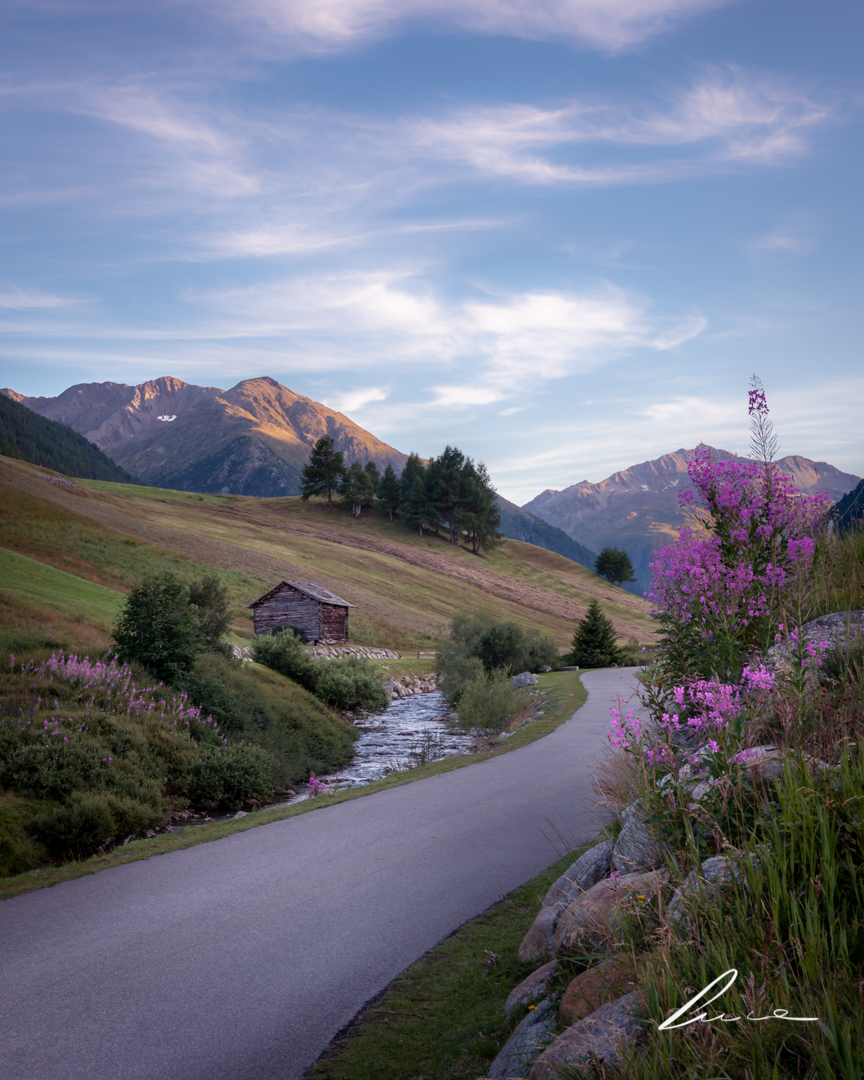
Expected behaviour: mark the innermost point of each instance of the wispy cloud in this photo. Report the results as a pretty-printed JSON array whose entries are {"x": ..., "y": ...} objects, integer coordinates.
[
  {"x": 33, "y": 300},
  {"x": 333, "y": 25},
  {"x": 725, "y": 116},
  {"x": 500, "y": 345}
]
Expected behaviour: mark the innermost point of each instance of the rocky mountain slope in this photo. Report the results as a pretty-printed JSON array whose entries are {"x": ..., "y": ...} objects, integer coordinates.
[
  {"x": 637, "y": 509},
  {"x": 251, "y": 440}
]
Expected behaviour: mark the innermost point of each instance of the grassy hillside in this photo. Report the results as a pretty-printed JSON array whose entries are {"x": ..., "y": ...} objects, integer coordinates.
[
  {"x": 30, "y": 437},
  {"x": 404, "y": 588}
]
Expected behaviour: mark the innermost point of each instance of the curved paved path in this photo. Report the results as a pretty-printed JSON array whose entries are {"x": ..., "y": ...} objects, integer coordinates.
[{"x": 241, "y": 959}]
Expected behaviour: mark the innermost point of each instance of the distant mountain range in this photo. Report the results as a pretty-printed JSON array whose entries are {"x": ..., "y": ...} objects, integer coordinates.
[
  {"x": 251, "y": 440},
  {"x": 638, "y": 510}
]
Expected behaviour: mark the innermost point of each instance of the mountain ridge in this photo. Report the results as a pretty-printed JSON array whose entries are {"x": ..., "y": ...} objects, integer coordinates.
[{"x": 637, "y": 508}]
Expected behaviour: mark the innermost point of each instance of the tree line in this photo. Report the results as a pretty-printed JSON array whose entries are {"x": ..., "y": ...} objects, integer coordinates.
[{"x": 449, "y": 494}]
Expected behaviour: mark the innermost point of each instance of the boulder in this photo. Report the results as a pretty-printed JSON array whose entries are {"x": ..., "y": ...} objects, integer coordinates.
[
  {"x": 592, "y": 866},
  {"x": 592, "y": 918},
  {"x": 593, "y": 988},
  {"x": 602, "y": 1036},
  {"x": 839, "y": 630},
  {"x": 712, "y": 875},
  {"x": 532, "y": 989},
  {"x": 637, "y": 848},
  {"x": 525, "y": 679},
  {"x": 529, "y": 1039}
]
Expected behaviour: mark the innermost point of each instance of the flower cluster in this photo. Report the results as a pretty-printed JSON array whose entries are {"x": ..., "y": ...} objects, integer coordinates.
[{"x": 117, "y": 693}]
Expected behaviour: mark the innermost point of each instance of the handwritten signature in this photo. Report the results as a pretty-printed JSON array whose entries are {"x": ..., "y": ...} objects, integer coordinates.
[{"x": 777, "y": 1014}]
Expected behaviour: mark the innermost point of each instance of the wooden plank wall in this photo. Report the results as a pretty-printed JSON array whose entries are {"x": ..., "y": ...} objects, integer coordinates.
[
  {"x": 289, "y": 607},
  {"x": 334, "y": 624}
]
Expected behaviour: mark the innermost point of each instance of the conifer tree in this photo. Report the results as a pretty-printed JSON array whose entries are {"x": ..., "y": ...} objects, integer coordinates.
[
  {"x": 594, "y": 642},
  {"x": 323, "y": 471},
  {"x": 389, "y": 491}
]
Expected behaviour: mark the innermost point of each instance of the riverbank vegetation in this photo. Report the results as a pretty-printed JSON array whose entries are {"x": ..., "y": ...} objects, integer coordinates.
[{"x": 475, "y": 664}]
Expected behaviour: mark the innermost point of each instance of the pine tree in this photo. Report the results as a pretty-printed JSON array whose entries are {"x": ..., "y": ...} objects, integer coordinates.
[
  {"x": 323, "y": 471},
  {"x": 389, "y": 491},
  {"x": 481, "y": 515},
  {"x": 356, "y": 488},
  {"x": 594, "y": 642},
  {"x": 414, "y": 469}
]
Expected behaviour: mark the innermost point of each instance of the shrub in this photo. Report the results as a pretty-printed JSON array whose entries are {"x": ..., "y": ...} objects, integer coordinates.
[
  {"x": 158, "y": 628},
  {"x": 91, "y": 820},
  {"x": 209, "y": 599},
  {"x": 595, "y": 644},
  {"x": 352, "y": 683},
  {"x": 283, "y": 652},
  {"x": 231, "y": 775},
  {"x": 488, "y": 703},
  {"x": 264, "y": 707},
  {"x": 478, "y": 642}
]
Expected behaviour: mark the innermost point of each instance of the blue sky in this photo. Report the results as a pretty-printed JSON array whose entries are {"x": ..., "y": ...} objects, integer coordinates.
[{"x": 560, "y": 235}]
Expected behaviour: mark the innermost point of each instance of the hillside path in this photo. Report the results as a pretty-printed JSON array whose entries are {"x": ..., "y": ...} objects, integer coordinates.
[{"x": 240, "y": 959}]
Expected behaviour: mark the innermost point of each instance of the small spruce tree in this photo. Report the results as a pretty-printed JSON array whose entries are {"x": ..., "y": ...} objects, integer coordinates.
[
  {"x": 325, "y": 468},
  {"x": 389, "y": 491},
  {"x": 594, "y": 643}
]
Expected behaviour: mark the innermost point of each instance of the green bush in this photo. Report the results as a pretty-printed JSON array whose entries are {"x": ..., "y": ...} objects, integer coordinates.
[
  {"x": 271, "y": 711},
  {"x": 352, "y": 683},
  {"x": 228, "y": 776},
  {"x": 158, "y": 627},
  {"x": 91, "y": 820},
  {"x": 480, "y": 643},
  {"x": 488, "y": 703}
]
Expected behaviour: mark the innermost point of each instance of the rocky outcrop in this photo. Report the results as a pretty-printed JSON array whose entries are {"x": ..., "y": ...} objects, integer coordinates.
[
  {"x": 590, "y": 920},
  {"x": 529, "y": 1039},
  {"x": 600, "y": 1037},
  {"x": 525, "y": 678},
  {"x": 636, "y": 847},
  {"x": 593, "y": 988},
  {"x": 589, "y": 868},
  {"x": 707, "y": 882},
  {"x": 837, "y": 631},
  {"x": 532, "y": 989}
]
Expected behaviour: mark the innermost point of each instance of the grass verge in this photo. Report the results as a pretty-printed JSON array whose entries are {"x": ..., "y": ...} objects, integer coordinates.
[
  {"x": 443, "y": 1017},
  {"x": 564, "y": 694}
]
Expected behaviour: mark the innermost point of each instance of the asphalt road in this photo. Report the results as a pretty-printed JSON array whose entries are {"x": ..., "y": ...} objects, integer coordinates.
[{"x": 241, "y": 959}]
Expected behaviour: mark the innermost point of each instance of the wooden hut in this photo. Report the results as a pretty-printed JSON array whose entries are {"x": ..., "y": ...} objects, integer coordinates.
[{"x": 319, "y": 615}]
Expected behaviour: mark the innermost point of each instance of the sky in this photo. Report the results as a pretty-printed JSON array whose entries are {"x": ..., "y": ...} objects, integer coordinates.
[{"x": 559, "y": 234}]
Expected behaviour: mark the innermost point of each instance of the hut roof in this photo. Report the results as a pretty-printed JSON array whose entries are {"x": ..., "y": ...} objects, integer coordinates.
[{"x": 317, "y": 592}]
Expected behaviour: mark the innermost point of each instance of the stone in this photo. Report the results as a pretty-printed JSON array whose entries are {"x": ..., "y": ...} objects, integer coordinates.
[
  {"x": 839, "y": 629},
  {"x": 715, "y": 872},
  {"x": 530, "y": 1038},
  {"x": 602, "y": 1036},
  {"x": 537, "y": 943},
  {"x": 592, "y": 918},
  {"x": 592, "y": 866},
  {"x": 636, "y": 848},
  {"x": 545, "y": 669},
  {"x": 593, "y": 988},
  {"x": 532, "y": 989},
  {"x": 240, "y": 813},
  {"x": 525, "y": 679}
]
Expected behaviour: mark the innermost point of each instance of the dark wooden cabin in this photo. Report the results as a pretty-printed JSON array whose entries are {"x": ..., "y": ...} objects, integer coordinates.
[{"x": 319, "y": 615}]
